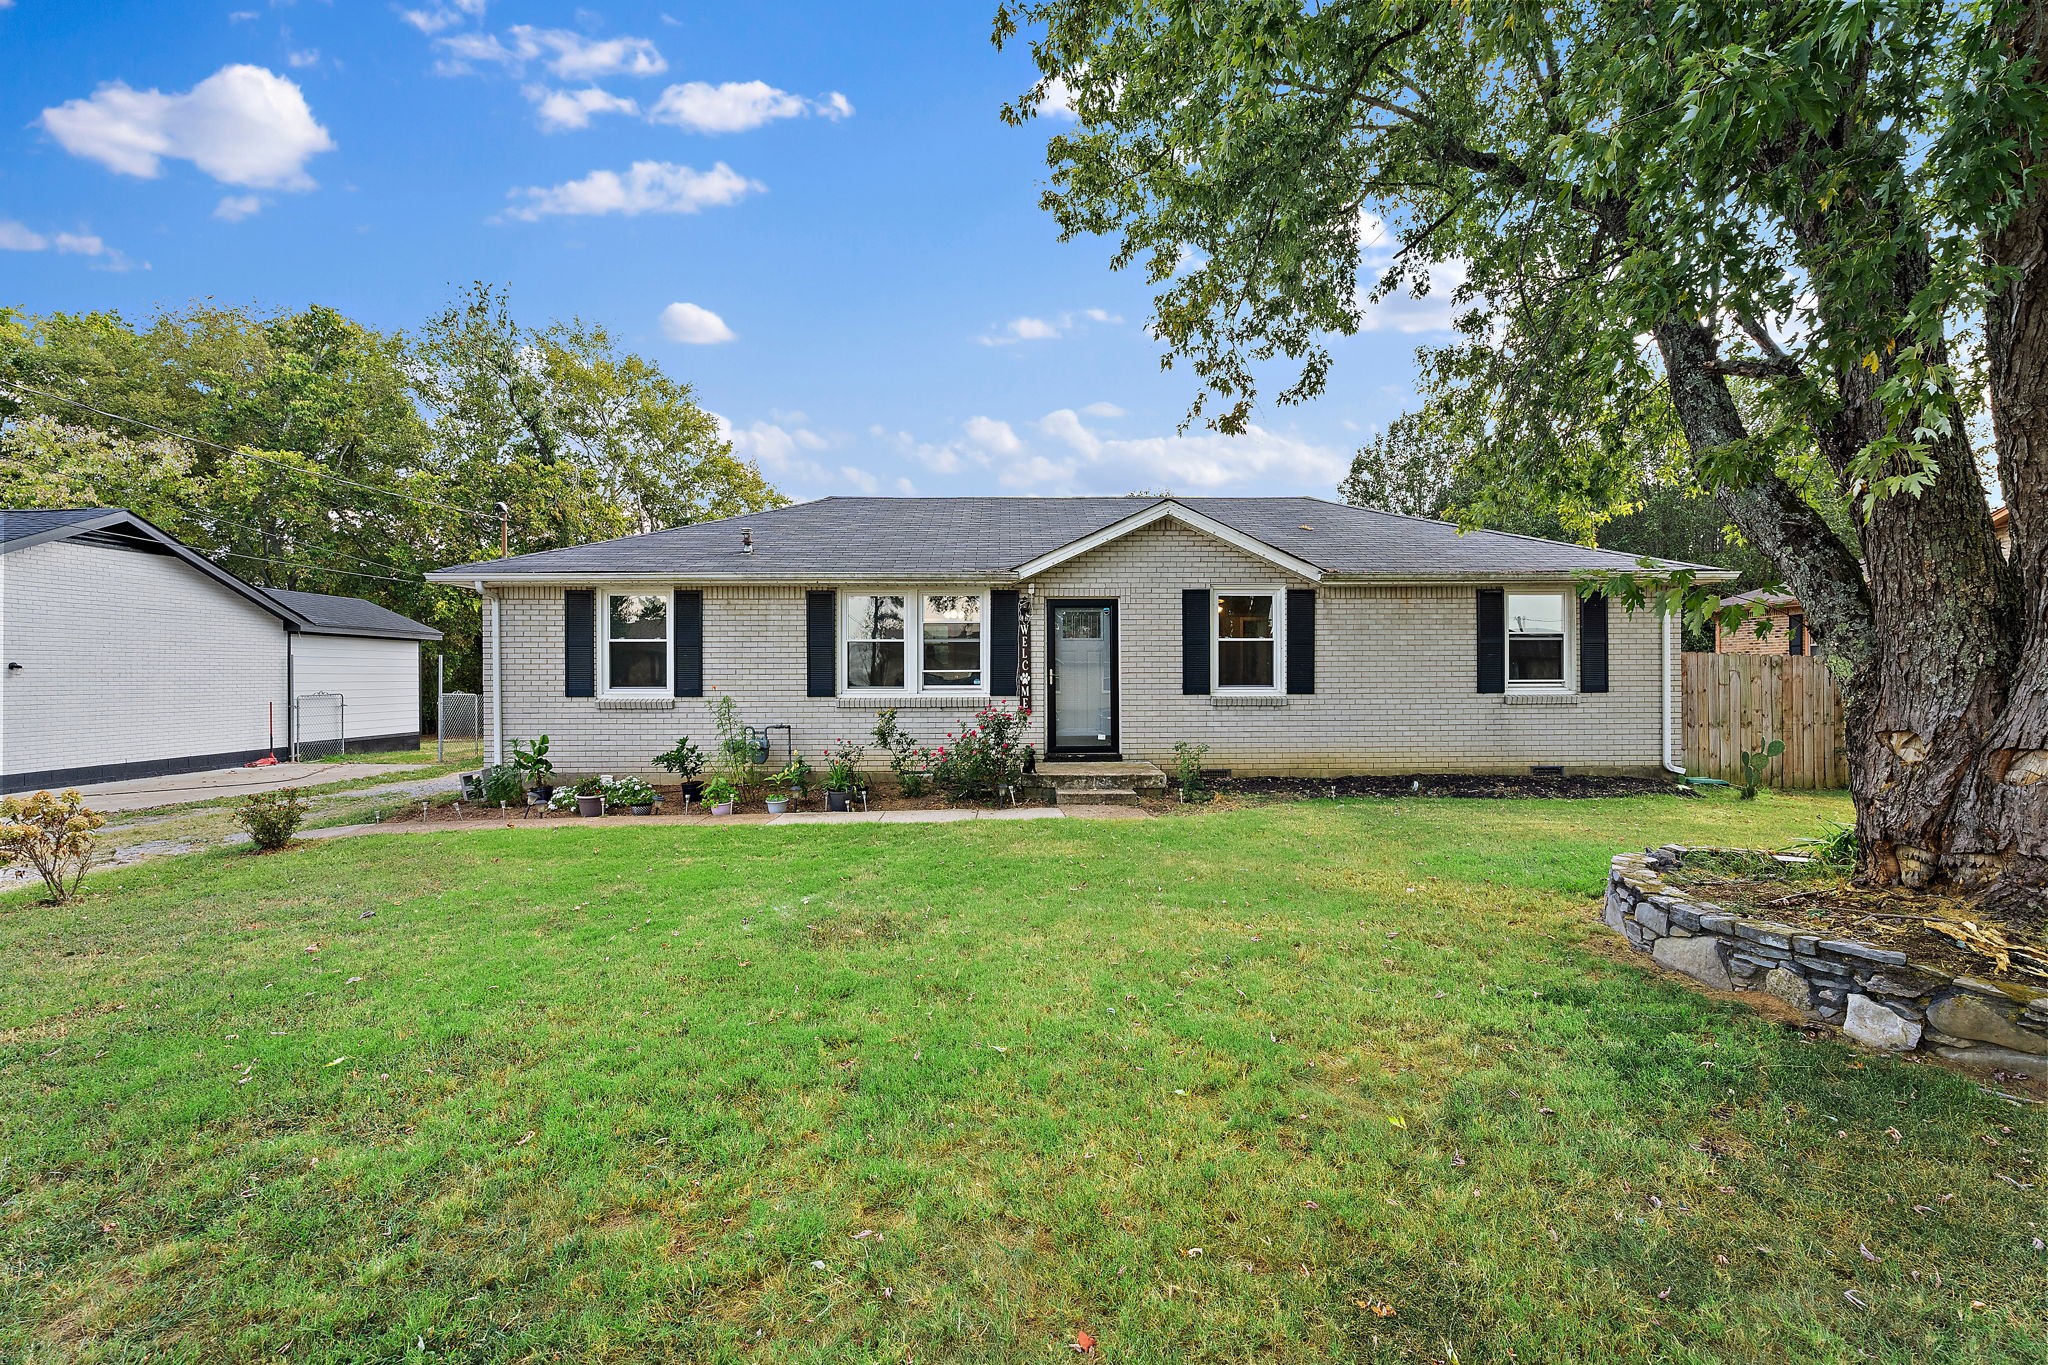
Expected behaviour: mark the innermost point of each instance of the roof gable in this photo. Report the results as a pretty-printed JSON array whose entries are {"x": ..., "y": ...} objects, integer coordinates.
[{"x": 1159, "y": 511}]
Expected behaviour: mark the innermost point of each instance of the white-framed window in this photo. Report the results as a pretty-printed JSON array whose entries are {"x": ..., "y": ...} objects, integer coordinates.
[
  {"x": 1538, "y": 659},
  {"x": 1246, "y": 648},
  {"x": 636, "y": 642},
  {"x": 914, "y": 641}
]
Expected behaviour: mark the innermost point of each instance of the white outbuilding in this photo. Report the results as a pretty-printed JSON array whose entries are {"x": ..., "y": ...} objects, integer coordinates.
[{"x": 124, "y": 654}]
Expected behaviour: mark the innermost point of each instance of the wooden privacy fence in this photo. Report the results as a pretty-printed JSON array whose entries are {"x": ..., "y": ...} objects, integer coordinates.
[{"x": 1737, "y": 702}]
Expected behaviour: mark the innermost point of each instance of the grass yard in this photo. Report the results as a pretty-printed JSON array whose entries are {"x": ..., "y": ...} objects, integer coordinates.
[{"x": 1337, "y": 1080}]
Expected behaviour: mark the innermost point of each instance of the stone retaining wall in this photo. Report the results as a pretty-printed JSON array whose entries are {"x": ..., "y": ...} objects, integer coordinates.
[{"x": 1874, "y": 994}]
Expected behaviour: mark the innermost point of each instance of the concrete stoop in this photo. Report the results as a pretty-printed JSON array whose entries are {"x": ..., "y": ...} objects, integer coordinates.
[{"x": 1097, "y": 784}]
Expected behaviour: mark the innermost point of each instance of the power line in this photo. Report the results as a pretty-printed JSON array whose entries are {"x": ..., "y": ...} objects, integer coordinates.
[
  {"x": 241, "y": 453},
  {"x": 322, "y": 568},
  {"x": 216, "y": 518}
]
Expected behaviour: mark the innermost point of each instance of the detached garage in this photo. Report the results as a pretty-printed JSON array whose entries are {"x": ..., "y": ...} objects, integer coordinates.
[{"x": 124, "y": 654}]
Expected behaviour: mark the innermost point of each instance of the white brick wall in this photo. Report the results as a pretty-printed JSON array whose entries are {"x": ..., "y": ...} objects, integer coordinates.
[
  {"x": 129, "y": 657},
  {"x": 1395, "y": 671}
]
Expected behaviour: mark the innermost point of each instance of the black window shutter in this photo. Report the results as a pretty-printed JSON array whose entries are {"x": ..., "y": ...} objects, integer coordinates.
[
  {"x": 1002, "y": 643},
  {"x": 1301, "y": 641},
  {"x": 1593, "y": 643},
  {"x": 1195, "y": 625},
  {"x": 821, "y": 641},
  {"x": 1493, "y": 640},
  {"x": 579, "y": 643},
  {"x": 688, "y": 624}
]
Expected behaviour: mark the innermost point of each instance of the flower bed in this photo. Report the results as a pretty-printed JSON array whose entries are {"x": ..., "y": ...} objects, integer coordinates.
[{"x": 1877, "y": 995}]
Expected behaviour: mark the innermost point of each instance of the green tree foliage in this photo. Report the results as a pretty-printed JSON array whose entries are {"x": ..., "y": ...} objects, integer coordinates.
[
  {"x": 360, "y": 459},
  {"x": 1763, "y": 227}
]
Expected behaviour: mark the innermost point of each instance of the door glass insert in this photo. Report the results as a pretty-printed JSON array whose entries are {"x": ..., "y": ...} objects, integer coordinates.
[{"x": 1083, "y": 677}]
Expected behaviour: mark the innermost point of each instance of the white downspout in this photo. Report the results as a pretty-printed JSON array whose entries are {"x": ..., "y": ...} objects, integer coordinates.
[
  {"x": 1670, "y": 766},
  {"x": 498, "y": 678}
]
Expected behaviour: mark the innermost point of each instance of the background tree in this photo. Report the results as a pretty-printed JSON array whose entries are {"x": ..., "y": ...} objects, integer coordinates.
[
  {"x": 1772, "y": 220},
  {"x": 333, "y": 457}
]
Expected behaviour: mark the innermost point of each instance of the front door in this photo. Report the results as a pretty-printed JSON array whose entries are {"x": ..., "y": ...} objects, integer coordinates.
[{"x": 1081, "y": 638}]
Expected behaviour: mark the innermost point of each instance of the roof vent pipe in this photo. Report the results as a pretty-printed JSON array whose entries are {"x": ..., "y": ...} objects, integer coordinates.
[{"x": 746, "y": 542}]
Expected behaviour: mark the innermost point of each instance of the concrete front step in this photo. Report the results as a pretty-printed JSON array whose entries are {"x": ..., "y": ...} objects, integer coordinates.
[
  {"x": 1067, "y": 778},
  {"x": 1095, "y": 796}
]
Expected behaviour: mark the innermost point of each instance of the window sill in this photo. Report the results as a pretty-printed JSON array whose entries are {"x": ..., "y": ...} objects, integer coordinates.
[
  {"x": 636, "y": 703},
  {"x": 1540, "y": 699},
  {"x": 1248, "y": 699},
  {"x": 914, "y": 701}
]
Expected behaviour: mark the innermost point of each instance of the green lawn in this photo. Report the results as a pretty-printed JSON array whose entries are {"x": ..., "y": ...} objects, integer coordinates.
[{"x": 1220, "y": 1087}]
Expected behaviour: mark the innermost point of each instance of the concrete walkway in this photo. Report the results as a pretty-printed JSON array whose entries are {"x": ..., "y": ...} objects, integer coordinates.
[{"x": 142, "y": 793}]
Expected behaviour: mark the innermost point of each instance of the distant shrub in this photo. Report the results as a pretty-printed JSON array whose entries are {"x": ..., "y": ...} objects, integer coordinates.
[
  {"x": 272, "y": 818},
  {"x": 1187, "y": 770},
  {"x": 52, "y": 834},
  {"x": 907, "y": 759},
  {"x": 1755, "y": 764},
  {"x": 505, "y": 784}
]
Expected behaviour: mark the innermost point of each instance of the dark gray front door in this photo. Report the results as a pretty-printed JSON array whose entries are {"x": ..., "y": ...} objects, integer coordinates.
[{"x": 1081, "y": 640}]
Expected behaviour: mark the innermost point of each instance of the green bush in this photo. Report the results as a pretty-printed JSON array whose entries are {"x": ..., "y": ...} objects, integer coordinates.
[
  {"x": 53, "y": 834},
  {"x": 504, "y": 784},
  {"x": 686, "y": 760},
  {"x": 272, "y": 818},
  {"x": 1187, "y": 770},
  {"x": 1755, "y": 764},
  {"x": 907, "y": 759},
  {"x": 984, "y": 758}
]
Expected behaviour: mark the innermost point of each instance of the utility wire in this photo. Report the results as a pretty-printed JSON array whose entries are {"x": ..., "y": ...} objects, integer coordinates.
[
  {"x": 20, "y": 388},
  {"x": 344, "y": 573}
]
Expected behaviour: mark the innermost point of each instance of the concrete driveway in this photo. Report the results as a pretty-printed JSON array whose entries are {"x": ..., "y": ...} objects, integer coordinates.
[{"x": 142, "y": 793}]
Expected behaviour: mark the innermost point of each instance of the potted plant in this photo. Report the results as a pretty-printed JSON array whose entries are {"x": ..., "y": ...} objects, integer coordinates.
[
  {"x": 794, "y": 781},
  {"x": 842, "y": 774},
  {"x": 589, "y": 794},
  {"x": 632, "y": 793},
  {"x": 778, "y": 798},
  {"x": 535, "y": 768},
  {"x": 720, "y": 794},
  {"x": 686, "y": 760}
]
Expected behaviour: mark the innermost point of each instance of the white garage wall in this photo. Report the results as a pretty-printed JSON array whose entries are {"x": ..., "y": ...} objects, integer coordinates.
[
  {"x": 130, "y": 658},
  {"x": 378, "y": 679}
]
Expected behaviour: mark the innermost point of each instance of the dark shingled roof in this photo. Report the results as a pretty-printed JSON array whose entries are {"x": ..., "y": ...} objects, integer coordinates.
[
  {"x": 21, "y": 524},
  {"x": 934, "y": 538},
  {"x": 322, "y": 613},
  {"x": 316, "y": 613}
]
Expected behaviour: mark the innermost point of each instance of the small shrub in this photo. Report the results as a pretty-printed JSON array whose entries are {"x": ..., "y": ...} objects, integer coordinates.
[
  {"x": 503, "y": 784},
  {"x": 737, "y": 752},
  {"x": 1187, "y": 770},
  {"x": 842, "y": 766},
  {"x": 720, "y": 790},
  {"x": 984, "y": 758},
  {"x": 686, "y": 760},
  {"x": 52, "y": 834},
  {"x": 536, "y": 769},
  {"x": 907, "y": 759},
  {"x": 272, "y": 818},
  {"x": 795, "y": 777},
  {"x": 1755, "y": 764}
]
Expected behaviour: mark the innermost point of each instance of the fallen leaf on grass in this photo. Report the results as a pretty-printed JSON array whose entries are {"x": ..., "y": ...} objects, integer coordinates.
[
  {"x": 1082, "y": 1343},
  {"x": 523, "y": 1141},
  {"x": 1397, "y": 1121},
  {"x": 336, "y": 1062}
]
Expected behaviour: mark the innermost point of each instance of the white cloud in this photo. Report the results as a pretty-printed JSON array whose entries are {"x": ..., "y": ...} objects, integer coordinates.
[
  {"x": 644, "y": 187},
  {"x": 694, "y": 326},
  {"x": 16, "y": 236},
  {"x": 234, "y": 208},
  {"x": 568, "y": 55},
  {"x": 564, "y": 109},
  {"x": 303, "y": 57},
  {"x": 1045, "y": 329},
  {"x": 1058, "y": 100},
  {"x": 737, "y": 106},
  {"x": 442, "y": 16},
  {"x": 243, "y": 125},
  {"x": 1200, "y": 463},
  {"x": 998, "y": 438},
  {"x": 1402, "y": 311},
  {"x": 1103, "y": 410}
]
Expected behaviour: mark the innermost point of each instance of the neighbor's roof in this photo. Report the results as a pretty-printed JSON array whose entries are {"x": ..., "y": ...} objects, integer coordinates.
[
  {"x": 314, "y": 613},
  {"x": 323, "y": 613},
  {"x": 870, "y": 539}
]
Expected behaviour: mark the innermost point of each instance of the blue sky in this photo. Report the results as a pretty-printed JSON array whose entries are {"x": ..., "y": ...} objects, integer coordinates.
[{"x": 809, "y": 211}]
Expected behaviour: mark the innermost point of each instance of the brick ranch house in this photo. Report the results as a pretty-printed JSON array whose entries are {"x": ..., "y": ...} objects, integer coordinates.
[
  {"x": 1291, "y": 635},
  {"x": 1787, "y": 632}
]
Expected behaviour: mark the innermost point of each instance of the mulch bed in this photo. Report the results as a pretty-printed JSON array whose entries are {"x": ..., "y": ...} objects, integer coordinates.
[
  {"x": 1818, "y": 900},
  {"x": 1445, "y": 784},
  {"x": 881, "y": 796}
]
